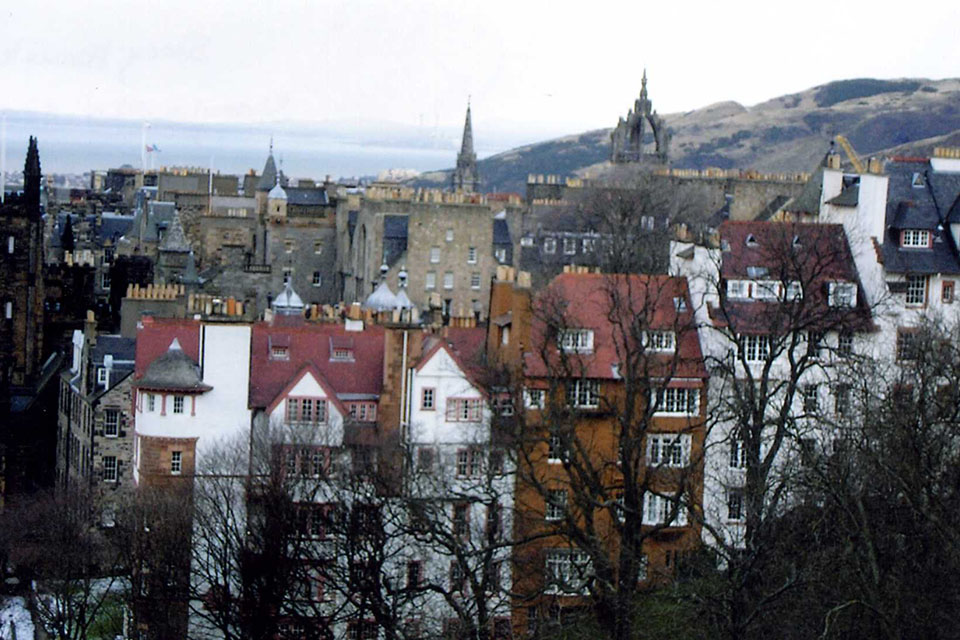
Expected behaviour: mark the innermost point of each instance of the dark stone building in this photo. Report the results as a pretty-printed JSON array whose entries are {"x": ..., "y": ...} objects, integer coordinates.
[{"x": 629, "y": 135}]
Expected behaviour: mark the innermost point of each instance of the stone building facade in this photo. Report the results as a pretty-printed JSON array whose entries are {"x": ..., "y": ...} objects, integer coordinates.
[{"x": 444, "y": 242}]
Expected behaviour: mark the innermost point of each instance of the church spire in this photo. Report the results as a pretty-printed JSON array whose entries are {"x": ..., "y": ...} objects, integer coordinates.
[{"x": 466, "y": 177}]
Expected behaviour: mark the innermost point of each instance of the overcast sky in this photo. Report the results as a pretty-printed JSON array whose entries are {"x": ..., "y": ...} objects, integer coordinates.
[{"x": 541, "y": 67}]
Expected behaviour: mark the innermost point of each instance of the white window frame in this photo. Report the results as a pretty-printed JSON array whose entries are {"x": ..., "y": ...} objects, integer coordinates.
[
  {"x": 176, "y": 463},
  {"x": 657, "y": 510},
  {"x": 448, "y": 280},
  {"x": 110, "y": 469},
  {"x": 151, "y": 402},
  {"x": 569, "y": 246},
  {"x": 11, "y": 243},
  {"x": 583, "y": 393},
  {"x": 111, "y": 428},
  {"x": 434, "y": 255},
  {"x": 576, "y": 340},
  {"x": 736, "y": 511},
  {"x": 555, "y": 507},
  {"x": 738, "y": 454},
  {"x": 500, "y": 254},
  {"x": 449, "y": 235},
  {"x": 661, "y": 341},
  {"x": 842, "y": 294},
  {"x": 678, "y": 401},
  {"x": 915, "y": 239},
  {"x": 317, "y": 279},
  {"x": 794, "y": 291},
  {"x": 533, "y": 398},
  {"x": 588, "y": 245},
  {"x": 550, "y": 245},
  {"x": 668, "y": 450},
  {"x": 916, "y": 291},
  {"x": 179, "y": 403},
  {"x": 567, "y": 571},
  {"x": 555, "y": 448},
  {"x": 738, "y": 289},
  {"x": 430, "y": 282},
  {"x": 475, "y": 280},
  {"x": 103, "y": 376},
  {"x": 471, "y": 255},
  {"x": 756, "y": 348},
  {"x": 768, "y": 290}
]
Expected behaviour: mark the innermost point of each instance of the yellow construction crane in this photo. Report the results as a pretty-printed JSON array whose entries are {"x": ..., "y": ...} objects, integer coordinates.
[{"x": 851, "y": 154}]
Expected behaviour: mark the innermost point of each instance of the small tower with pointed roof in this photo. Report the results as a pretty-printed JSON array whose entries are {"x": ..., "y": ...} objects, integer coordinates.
[
  {"x": 466, "y": 177},
  {"x": 173, "y": 254}
]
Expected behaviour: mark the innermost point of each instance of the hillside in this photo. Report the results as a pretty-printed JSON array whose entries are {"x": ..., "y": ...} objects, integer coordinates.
[{"x": 788, "y": 133}]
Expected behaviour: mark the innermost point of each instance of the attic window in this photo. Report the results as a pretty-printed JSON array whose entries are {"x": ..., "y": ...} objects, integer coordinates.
[
  {"x": 917, "y": 181},
  {"x": 915, "y": 239},
  {"x": 341, "y": 353},
  {"x": 680, "y": 303},
  {"x": 752, "y": 241},
  {"x": 796, "y": 241},
  {"x": 341, "y": 349},
  {"x": 279, "y": 353}
]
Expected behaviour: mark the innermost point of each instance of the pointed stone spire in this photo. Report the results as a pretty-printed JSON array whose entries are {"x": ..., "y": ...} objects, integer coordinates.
[
  {"x": 466, "y": 147},
  {"x": 31, "y": 178},
  {"x": 466, "y": 176},
  {"x": 175, "y": 240}
]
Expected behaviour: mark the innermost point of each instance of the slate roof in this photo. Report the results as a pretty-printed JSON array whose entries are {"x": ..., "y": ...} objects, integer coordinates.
[
  {"x": 122, "y": 349},
  {"x": 395, "y": 227},
  {"x": 173, "y": 370},
  {"x": 501, "y": 232},
  {"x": 848, "y": 197},
  {"x": 114, "y": 226},
  {"x": 586, "y": 301},
  {"x": 269, "y": 176},
  {"x": 307, "y": 196},
  {"x": 310, "y": 345},
  {"x": 928, "y": 206}
]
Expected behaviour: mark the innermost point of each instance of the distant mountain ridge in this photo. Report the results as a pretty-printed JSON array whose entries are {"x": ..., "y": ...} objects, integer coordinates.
[{"x": 788, "y": 133}]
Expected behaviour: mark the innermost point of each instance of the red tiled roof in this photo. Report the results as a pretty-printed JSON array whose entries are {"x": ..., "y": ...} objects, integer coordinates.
[
  {"x": 791, "y": 251},
  {"x": 614, "y": 307},
  {"x": 813, "y": 254},
  {"x": 310, "y": 344},
  {"x": 154, "y": 338},
  {"x": 467, "y": 348}
]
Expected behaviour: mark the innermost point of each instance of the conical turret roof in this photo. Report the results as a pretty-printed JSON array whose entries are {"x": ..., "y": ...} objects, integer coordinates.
[
  {"x": 174, "y": 239},
  {"x": 382, "y": 298},
  {"x": 173, "y": 371},
  {"x": 269, "y": 176}
]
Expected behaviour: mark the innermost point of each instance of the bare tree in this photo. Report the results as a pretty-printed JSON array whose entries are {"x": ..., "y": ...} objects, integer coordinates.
[
  {"x": 781, "y": 308},
  {"x": 608, "y": 438},
  {"x": 55, "y": 541}
]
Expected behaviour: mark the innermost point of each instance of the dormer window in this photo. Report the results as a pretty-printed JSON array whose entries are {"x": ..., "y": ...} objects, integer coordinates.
[
  {"x": 917, "y": 181},
  {"x": 752, "y": 241},
  {"x": 915, "y": 239},
  {"x": 576, "y": 340},
  {"x": 842, "y": 294},
  {"x": 794, "y": 291},
  {"x": 342, "y": 354},
  {"x": 665, "y": 341},
  {"x": 796, "y": 241},
  {"x": 738, "y": 289},
  {"x": 341, "y": 349},
  {"x": 279, "y": 353},
  {"x": 103, "y": 376}
]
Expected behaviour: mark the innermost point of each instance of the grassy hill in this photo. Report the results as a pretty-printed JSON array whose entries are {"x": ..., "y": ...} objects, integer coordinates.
[{"x": 787, "y": 133}]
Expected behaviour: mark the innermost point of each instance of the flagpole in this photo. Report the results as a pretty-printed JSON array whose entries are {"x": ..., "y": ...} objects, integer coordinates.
[{"x": 3, "y": 158}]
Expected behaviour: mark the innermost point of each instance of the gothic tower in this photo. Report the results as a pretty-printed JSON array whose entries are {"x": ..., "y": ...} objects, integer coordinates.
[
  {"x": 21, "y": 280},
  {"x": 466, "y": 177}
]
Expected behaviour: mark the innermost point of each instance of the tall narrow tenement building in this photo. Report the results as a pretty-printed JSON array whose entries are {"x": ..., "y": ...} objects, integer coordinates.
[{"x": 466, "y": 177}]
